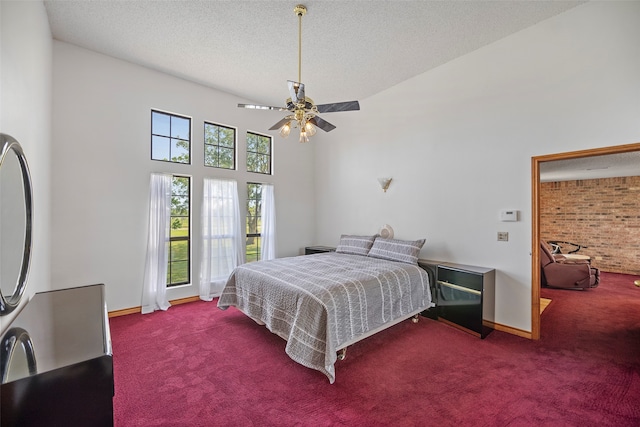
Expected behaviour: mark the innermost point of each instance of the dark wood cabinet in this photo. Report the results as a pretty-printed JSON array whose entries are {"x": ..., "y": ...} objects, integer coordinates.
[
  {"x": 462, "y": 293},
  {"x": 57, "y": 366},
  {"x": 318, "y": 249}
]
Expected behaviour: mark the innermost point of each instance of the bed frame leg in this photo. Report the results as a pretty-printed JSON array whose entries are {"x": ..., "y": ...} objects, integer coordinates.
[
  {"x": 342, "y": 354},
  {"x": 415, "y": 318}
]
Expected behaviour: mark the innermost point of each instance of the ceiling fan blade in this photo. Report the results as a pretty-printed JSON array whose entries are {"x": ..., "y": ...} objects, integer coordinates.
[
  {"x": 338, "y": 106},
  {"x": 296, "y": 90},
  {"x": 280, "y": 123},
  {"x": 322, "y": 124},
  {"x": 261, "y": 107}
]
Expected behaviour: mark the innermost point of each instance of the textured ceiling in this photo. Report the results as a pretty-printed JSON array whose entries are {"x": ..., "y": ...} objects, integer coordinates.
[
  {"x": 605, "y": 166},
  {"x": 350, "y": 49}
]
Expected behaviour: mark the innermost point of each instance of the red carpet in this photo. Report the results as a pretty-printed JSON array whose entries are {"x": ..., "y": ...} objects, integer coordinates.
[{"x": 196, "y": 365}]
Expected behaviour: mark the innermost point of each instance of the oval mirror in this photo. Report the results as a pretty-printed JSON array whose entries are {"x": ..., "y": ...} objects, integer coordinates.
[
  {"x": 17, "y": 356},
  {"x": 15, "y": 223}
]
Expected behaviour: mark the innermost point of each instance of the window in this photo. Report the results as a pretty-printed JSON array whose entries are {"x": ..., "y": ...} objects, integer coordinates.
[
  {"x": 254, "y": 221},
  {"x": 219, "y": 146},
  {"x": 258, "y": 153},
  {"x": 178, "y": 270},
  {"x": 170, "y": 137}
]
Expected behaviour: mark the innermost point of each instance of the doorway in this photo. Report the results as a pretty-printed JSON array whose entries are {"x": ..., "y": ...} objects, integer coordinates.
[{"x": 535, "y": 217}]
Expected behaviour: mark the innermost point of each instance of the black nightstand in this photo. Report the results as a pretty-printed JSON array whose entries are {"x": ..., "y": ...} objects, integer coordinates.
[
  {"x": 466, "y": 296},
  {"x": 318, "y": 249}
]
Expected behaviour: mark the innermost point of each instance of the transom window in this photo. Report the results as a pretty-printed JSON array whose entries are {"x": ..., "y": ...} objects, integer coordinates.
[
  {"x": 170, "y": 137},
  {"x": 178, "y": 269},
  {"x": 254, "y": 221},
  {"x": 258, "y": 153},
  {"x": 219, "y": 146}
]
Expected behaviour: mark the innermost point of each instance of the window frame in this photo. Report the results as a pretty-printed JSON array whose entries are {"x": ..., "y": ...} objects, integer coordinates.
[
  {"x": 189, "y": 140},
  {"x": 218, "y": 146},
  {"x": 188, "y": 238},
  {"x": 269, "y": 155}
]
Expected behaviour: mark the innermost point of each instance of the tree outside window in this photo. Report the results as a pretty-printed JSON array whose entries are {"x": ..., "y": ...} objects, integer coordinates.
[
  {"x": 170, "y": 137},
  {"x": 254, "y": 221},
  {"x": 178, "y": 269},
  {"x": 259, "y": 153},
  {"x": 219, "y": 146}
]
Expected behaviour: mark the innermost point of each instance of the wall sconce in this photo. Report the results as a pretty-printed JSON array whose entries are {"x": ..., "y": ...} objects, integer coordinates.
[{"x": 384, "y": 183}]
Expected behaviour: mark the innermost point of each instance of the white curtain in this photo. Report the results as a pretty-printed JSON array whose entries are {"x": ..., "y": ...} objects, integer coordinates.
[
  {"x": 268, "y": 215},
  {"x": 222, "y": 248},
  {"x": 154, "y": 292}
]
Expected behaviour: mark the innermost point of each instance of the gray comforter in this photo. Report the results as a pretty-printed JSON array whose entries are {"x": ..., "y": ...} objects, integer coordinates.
[{"x": 317, "y": 303}]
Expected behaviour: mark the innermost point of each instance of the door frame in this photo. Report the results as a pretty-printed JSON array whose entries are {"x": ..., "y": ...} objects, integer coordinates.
[{"x": 535, "y": 217}]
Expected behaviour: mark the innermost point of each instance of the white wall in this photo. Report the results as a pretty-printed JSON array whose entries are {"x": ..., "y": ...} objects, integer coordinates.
[
  {"x": 25, "y": 114},
  {"x": 101, "y": 169},
  {"x": 458, "y": 142}
]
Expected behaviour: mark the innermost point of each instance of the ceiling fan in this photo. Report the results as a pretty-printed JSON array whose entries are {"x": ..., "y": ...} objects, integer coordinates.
[{"x": 303, "y": 113}]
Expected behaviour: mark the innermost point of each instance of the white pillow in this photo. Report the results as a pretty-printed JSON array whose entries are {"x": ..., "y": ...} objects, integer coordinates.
[
  {"x": 356, "y": 245},
  {"x": 397, "y": 250}
]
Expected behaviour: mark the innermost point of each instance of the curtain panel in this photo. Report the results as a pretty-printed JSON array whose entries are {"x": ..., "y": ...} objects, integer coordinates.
[
  {"x": 268, "y": 215},
  {"x": 222, "y": 248},
  {"x": 154, "y": 291}
]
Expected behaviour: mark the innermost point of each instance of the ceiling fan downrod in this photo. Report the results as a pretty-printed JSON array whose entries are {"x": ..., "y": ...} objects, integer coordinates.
[{"x": 300, "y": 10}]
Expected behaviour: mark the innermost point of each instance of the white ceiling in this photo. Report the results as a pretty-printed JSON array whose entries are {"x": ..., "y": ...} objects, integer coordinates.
[
  {"x": 351, "y": 50},
  {"x": 604, "y": 166}
]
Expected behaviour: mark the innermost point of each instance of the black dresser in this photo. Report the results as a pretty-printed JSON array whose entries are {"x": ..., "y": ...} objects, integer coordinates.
[{"x": 56, "y": 364}]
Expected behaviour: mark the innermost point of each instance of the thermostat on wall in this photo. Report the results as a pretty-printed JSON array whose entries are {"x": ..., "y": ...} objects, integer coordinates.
[{"x": 508, "y": 215}]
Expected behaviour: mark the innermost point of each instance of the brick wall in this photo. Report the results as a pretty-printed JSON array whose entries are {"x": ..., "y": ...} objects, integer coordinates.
[{"x": 602, "y": 214}]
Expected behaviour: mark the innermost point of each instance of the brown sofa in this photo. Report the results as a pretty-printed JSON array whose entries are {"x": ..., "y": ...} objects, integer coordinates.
[{"x": 557, "y": 272}]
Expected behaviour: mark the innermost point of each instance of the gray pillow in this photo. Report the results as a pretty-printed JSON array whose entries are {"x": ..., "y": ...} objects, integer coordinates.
[
  {"x": 356, "y": 245},
  {"x": 397, "y": 250}
]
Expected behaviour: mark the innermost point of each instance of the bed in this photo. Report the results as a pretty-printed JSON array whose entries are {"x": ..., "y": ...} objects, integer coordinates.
[{"x": 322, "y": 303}]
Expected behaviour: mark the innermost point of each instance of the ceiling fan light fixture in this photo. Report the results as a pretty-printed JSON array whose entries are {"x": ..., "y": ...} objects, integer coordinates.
[
  {"x": 285, "y": 130},
  {"x": 309, "y": 128},
  {"x": 303, "y": 135}
]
